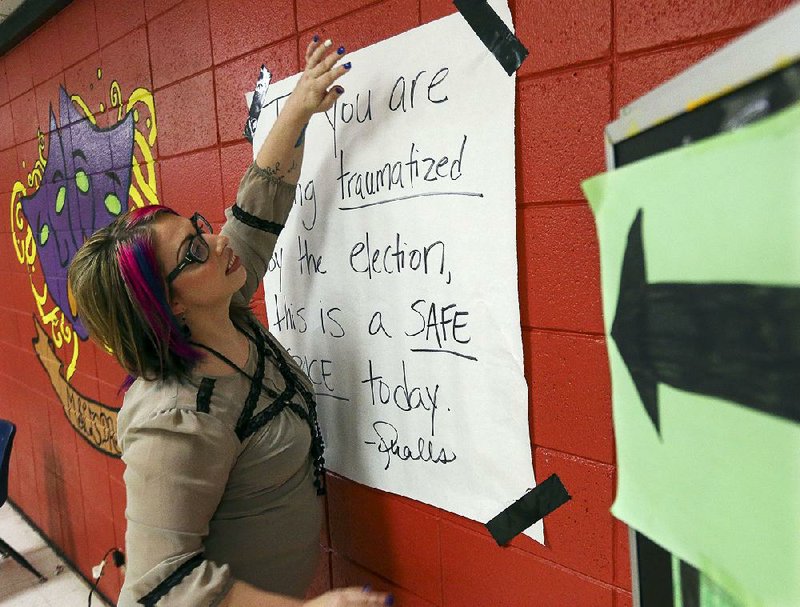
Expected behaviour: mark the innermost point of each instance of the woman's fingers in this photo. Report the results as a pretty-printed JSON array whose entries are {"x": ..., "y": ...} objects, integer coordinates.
[
  {"x": 328, "y": 78},
  {"x": 352, "y": 597},
  {"x": 325, "y": 64},
  {"x": 317, "y": 54},
  {"x": 315, "y": 42},
  {"x": 330, "y": 98},
  {"x": 315, "y": 89},
  {"x": 358, "y": 596}
]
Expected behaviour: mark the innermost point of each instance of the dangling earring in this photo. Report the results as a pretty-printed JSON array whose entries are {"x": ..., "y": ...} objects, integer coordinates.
[{"x": 184, "y": 327}]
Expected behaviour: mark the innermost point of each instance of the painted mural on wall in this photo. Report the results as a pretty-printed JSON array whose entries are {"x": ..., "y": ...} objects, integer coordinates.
[{"x": 85, "y": 176}]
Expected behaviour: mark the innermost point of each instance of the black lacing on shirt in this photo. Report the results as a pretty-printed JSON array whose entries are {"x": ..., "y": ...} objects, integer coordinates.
[
  {"x": 248, "y": 424},
  {"x": 256, "y": 382},
  {"x": 256, "y": 222},
  {"x": 172, "y": 580},
  {"x": 204, "y": 395}
]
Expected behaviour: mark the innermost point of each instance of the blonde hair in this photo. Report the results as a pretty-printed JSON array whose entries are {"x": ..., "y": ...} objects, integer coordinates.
[{"x": 123, "y": 300}]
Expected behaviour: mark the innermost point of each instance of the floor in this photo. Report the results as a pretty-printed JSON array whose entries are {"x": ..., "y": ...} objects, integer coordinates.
[{"x": 20, "y": 588}]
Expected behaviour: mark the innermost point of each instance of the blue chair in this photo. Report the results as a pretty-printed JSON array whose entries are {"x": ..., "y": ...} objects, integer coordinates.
[{"x": 7, "y": 430}]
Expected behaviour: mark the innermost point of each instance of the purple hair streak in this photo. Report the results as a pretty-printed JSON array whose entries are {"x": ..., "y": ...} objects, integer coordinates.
[
  {"x": 147, "y": 289},
  {"x": 146, "y": 213}
]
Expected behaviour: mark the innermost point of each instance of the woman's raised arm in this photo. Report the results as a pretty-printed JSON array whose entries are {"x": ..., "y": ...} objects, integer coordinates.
[
  {"x": 266, "y": 192},
  {"x": 281, "y": 155}
]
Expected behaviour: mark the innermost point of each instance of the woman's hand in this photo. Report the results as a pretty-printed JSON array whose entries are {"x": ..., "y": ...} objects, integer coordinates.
[
  {"x": 351, "y": 597},
  {"x": 314, "y": 91},
  {"x": 281, "y": 154}
]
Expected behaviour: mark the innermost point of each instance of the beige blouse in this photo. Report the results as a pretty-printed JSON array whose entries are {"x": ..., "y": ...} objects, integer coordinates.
[{"x": 214, "y": 495}]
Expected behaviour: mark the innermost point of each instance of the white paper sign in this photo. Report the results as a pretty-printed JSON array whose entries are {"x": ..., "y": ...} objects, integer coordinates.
[{"x": 394, "y": 283}]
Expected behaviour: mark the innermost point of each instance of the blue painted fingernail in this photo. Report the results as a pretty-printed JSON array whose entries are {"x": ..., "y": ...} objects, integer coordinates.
[
  {"x": 389, "y": 600},
  {"x": 339, "y": 90},
  {"x": 347, "y": 66},
  {"x": 340, "y": 50},
  {"x": 367, "y": 588},
  {"x": 316, "y": 38}
]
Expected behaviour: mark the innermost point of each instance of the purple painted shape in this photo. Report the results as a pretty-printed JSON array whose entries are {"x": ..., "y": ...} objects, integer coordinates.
[{"x": 80, "y": 193}]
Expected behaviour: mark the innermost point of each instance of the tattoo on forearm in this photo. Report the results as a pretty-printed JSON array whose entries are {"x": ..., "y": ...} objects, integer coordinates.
[
  {"x": 272, "y": 172},
  {"x": 301, "y": 139}
]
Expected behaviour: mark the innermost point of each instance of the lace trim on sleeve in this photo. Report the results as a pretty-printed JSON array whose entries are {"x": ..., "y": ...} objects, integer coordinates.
[
  {"x": 256, "y": 222},
  {"x": 172, "y": 580}
]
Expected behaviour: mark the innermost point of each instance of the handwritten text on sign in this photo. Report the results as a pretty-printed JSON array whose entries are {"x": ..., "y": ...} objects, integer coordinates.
[{"x": 394, "y": 284}]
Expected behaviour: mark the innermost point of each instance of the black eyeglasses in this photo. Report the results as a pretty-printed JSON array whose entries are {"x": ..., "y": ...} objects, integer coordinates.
[{"x": 198, "y": 247}]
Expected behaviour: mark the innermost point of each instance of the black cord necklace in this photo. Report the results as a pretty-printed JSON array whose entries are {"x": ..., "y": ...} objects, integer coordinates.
[{"x": 249, "y": 423}]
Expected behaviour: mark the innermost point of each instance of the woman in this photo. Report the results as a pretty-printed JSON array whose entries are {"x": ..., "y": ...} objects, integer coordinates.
[{"x": 218, "y": 427}]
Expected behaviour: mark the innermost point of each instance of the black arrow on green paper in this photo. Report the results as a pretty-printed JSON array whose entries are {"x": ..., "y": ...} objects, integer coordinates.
[{"x": 737, "y": 342}]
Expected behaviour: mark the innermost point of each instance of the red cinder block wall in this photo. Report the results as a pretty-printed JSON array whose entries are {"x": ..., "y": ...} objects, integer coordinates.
[{"x": 588, "y": 58}]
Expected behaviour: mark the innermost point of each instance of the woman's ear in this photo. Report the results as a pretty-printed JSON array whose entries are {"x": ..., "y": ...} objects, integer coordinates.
[{"x": 178, "y": 309}]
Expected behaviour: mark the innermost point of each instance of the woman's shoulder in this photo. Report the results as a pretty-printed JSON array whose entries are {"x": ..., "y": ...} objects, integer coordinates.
[
  {"x": 156, "y": 415},
  {"x": 146, "y": 399}
]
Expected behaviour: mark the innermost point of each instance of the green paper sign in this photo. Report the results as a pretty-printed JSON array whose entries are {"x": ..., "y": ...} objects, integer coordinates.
[{"x": 700, "y": 261}]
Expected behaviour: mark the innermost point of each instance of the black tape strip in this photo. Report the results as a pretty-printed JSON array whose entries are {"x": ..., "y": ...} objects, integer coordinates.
[
  {"x": 259, "y": 96},
  {"x": 534, "y": 505},
  {"x": 500, "y": 40}
]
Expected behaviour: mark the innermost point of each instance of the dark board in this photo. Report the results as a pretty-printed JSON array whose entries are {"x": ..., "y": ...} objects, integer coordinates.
[{"x": 25, "y": 19}]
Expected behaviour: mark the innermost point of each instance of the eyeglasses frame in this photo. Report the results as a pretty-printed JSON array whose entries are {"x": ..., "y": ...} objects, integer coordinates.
[{"x": 190, "y": 258}]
